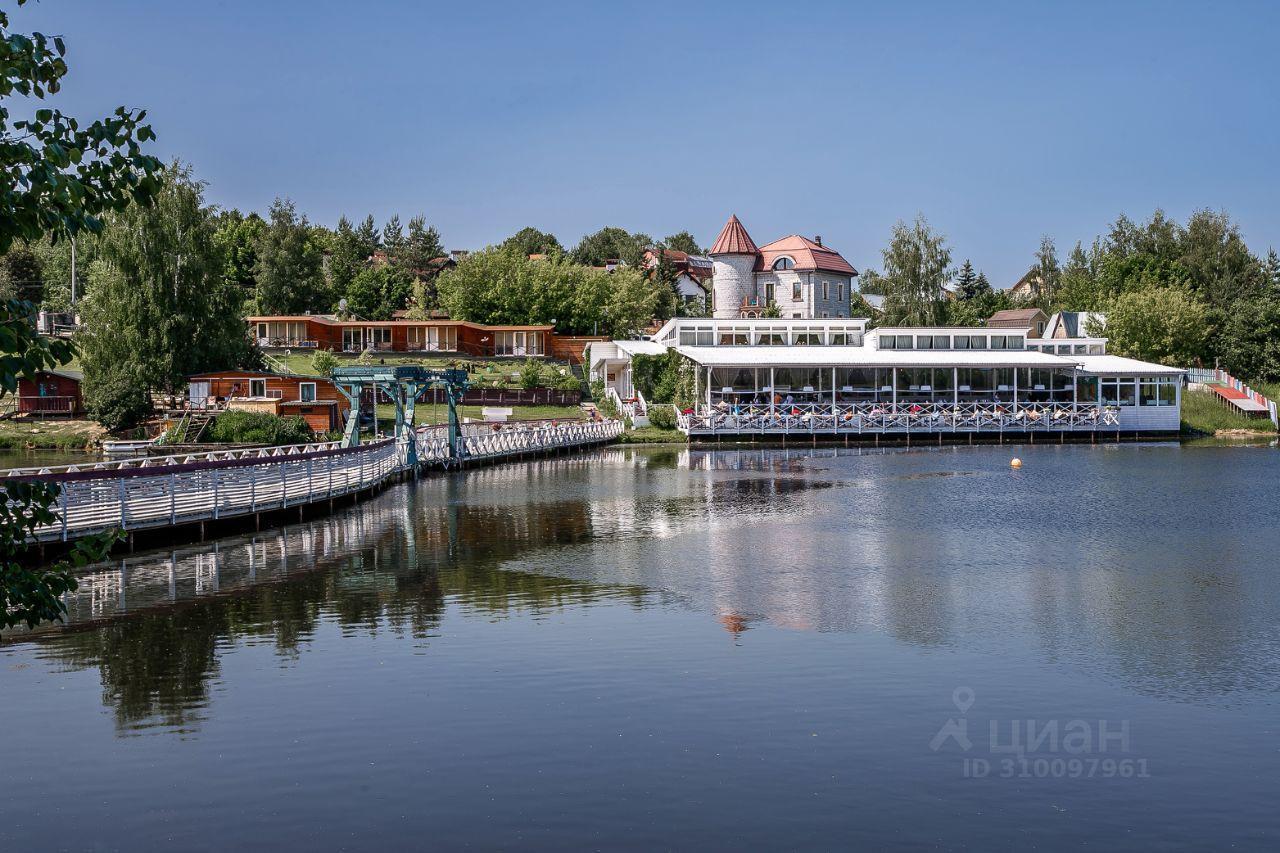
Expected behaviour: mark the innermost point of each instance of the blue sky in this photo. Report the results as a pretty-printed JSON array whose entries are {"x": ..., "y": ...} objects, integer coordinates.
[{"x": 999, "y": 122}]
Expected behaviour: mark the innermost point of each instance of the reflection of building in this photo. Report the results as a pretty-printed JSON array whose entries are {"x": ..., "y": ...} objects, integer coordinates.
[
  {"x": 800, "y": 277},
  {"x": 758, "y": 376}
]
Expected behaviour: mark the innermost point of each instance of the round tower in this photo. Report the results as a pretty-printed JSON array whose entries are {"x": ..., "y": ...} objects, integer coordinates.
[{"x": 733, "y": 265}]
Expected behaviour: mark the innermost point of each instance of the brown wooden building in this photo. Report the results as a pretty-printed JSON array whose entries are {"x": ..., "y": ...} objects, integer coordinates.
[
  {"x": 51, "y": 392},
  {"x": 314, "y": 398},
  {"x": 322, "y": 331}
]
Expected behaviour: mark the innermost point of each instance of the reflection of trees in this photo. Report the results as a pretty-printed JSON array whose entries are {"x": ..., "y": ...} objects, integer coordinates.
[{"x": 389, "y": 563}]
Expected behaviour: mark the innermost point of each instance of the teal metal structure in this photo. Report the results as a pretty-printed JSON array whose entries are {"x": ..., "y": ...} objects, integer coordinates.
[{"x": 402, "y": 383}]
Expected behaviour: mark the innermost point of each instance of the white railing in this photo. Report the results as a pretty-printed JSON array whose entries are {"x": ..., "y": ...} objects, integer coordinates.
[
  {"x": 163, "y": 491},
  {"x": 1269, "y": 405},
  {"x": 160, "y": 491},
  {"x": 489, "y": 441},
  {"x": 919, "y": 417}
]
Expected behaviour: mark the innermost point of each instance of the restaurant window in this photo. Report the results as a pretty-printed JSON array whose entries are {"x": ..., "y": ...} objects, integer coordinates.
[
  {"x": 1095, "y": 349},
  {"x": 888, "y": 342},
  {"x": 1157, "y": 392},
  {"x": 960, "y": 342},
  {"x": 1078, "y": 349},
  {"x": 998, "y": 341},
  {"x": 904, "y": 342},
  {"x": 772, "y": 338},
  {"x": 977, "y": 342},
  {"x": 1119, "y": 392},
  {"x": 1086, "y": 389},
  {"x": 924, "y": 341},
  {"x": 307, "y": 392},
  {"x": 1064, "y": 349},
  {"x": 1014, "y": 342},
  {"x": 807, "y": 337},
  {"x": 942, "y": 342},
  {"x": 734, "y": 337}
]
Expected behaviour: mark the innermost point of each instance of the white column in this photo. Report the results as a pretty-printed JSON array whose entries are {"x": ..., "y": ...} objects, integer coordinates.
[
  {"x": 1015, "y": 389},
  {"x": 697, "y": 376},
  {"x": 834, "y": 404},
  {"x": 708, "y": 389},
  {"x": 772, "y": 392},
  {"x": 893, "y": 380},
  {"x": 955, "y": 386}
]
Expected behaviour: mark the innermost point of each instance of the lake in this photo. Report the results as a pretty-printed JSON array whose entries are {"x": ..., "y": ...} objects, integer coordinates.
[{"x": 664, "y": 647}]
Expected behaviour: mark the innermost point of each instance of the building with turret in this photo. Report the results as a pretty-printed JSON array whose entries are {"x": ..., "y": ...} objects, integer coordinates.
[{"x": 801, "y": 277}]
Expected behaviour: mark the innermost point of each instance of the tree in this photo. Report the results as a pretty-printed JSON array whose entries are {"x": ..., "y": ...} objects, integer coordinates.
[
  {"x": 1271, "y": 271},
  {"x": 59, "y": 178},
  {"x": 499, "y": 287},
  {"x": 1157, "y": 322},
  {"x": 368, "y": 237},
  {"x": 1251, "y": 340},
  {"x": 916, "y": 266},
  {"x": 966, "y": 281},
  {"x": 682, "y": 241},
  {"x": 116, "y": 396},
  {"x": 236, "y": 237},
  {"x": 288, "y": 266},
  {"x": 609, "y": 244},
  {"x": 531, "y": 241},
  {"x": 421, "y": 247},
  {"x": 323, "y": 362},
  {"x": 21, "y": 275},
  {"x": 1048, "y": 274},
  {"x": 393, "y": 238},
  {"x": 348, "y": 255},
  {"x": 377, "y": 292},
  {"x": 160, "y": 303}
]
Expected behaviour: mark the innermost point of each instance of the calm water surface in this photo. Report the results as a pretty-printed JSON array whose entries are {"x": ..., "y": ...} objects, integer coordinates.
[{"x": 690, "y": 649}]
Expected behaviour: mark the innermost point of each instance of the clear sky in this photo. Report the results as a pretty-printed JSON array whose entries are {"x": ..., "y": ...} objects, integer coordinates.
[{"x": 999, "y": 122}]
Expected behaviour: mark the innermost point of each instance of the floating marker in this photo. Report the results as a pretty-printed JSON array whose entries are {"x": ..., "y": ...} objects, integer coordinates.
[{"x": 1015, "y": 462}]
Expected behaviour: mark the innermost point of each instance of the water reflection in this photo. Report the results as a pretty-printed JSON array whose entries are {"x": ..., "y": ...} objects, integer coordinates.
[{"x": 934, "y": 549}]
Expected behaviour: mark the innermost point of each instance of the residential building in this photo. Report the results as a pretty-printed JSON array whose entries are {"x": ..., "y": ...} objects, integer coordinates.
[
  {"x": 800, "y": 276},
  {"x": 1031, "y": 319},
  {"x": 693, "y": 273},
  {"x": 313, "y": 398},
  {"x": 51, "y": 392},
  {"x": 1074, "y": 324}
]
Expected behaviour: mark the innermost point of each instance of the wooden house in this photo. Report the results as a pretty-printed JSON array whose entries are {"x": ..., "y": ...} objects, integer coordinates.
[
  {"x": 313, "y": 398},
  {"x": 51, "y": 392}
]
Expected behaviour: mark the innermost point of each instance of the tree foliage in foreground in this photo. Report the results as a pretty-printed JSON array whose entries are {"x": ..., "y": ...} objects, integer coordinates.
[{"x": 59, "y": 178}]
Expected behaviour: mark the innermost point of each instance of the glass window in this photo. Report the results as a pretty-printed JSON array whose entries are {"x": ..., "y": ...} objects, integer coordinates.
[
  {"x": 705, "y": 336},
  {"x": 1095, "y": 349},
  {"x": 688, "y": 337},
  {"x": 888, "y": 342},
  {"x": 784, "y": 264},
  {"x": 904, "y": 341},
  {"x": 796, "y": 294},
  {"x": 1014, "y": 342},
  {"x": 998, "y": 341},
  {"x": 924, "y": 341},
  {"x": 1078, "y": 349},
  {"x": 960, "y": 342},
  {"x": 257, "y": 387},
  {"x": 1086, "y": 389},
  {"x": 942, "y": 342},
  {"x": 307, "y": 392},
  {"x": 826, "y": 290},
  {"x": 977, "y": 342},
  {"x": 1119, "y": 392}
]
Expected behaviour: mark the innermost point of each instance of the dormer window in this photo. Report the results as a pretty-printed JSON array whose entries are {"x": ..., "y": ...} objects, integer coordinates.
[{"x": 784, "y": 263}]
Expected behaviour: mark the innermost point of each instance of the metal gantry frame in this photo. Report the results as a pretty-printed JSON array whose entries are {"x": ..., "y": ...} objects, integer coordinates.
[{"x": 402, "y": 383}]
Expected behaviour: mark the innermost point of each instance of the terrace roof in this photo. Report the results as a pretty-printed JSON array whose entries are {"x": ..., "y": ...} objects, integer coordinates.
[{"x": 847, "y": 356}]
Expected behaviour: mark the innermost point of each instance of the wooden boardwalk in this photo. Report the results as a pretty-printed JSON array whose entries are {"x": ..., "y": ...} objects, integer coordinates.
[{"x": 158, "y": 492}]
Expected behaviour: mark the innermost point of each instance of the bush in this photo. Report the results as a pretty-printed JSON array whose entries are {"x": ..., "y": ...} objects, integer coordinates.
[
  {"x": 323, "y": 362},
  {"x": 237, "y": 427},
  {"x": 531, "y": 374},
  {"x": 568, "y": 382},
  {"x": 117, "y": 400},
  {"x": 662, "y": 417}
]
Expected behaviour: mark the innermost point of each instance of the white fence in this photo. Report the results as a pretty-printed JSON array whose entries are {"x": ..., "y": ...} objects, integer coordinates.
[
  {"x": 921, "y": 417},
  {"x": 1224, "y": 378},
  {"x": 161, "y": 491}
]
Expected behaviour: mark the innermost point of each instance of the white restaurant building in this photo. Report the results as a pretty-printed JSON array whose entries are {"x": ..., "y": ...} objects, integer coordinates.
[{"x": 760, "y": 377}]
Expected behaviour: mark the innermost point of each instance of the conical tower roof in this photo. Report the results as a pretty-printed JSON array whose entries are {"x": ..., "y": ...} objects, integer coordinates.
[{"x": 734, "y": 240}]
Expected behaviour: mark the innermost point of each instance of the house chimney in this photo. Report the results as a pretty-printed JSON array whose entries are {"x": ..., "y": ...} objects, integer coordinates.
[{"x": 818, "y": 239}]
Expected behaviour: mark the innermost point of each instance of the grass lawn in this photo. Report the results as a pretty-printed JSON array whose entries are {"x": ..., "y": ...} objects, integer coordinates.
[
  {"x": 652, "y": 435},
  {"x": 1203, "y": 414},
  {"x": 487, "y": 372},
  {"x": 49, "y": 434}
]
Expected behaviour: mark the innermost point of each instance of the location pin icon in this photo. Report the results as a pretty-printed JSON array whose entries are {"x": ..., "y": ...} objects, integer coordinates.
[{"x": 963, "y": 697}]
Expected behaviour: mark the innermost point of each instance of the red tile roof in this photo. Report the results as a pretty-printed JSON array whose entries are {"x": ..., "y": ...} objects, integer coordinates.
[
  {"x": 734, "y": 240},
  {"x": 807, "y": 254}
]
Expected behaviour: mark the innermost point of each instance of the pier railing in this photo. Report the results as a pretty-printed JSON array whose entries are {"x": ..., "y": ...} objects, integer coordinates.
[
  {"x": 162, "y": 491},
  {"x": 911, "y": 417},
  {"x": 135, "y": 494}
]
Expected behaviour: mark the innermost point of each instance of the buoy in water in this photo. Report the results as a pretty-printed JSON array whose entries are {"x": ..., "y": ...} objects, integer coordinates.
[{"x": 1015, "y": 462}]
